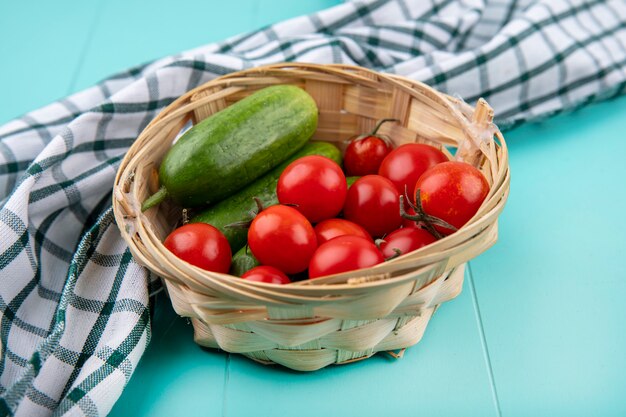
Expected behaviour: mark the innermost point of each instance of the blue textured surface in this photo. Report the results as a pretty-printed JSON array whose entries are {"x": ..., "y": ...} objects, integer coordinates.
[
  {"x": 40, "y": 52},
  {"x": 551, "y": 292},
  {"x": 538, "y": 328}
]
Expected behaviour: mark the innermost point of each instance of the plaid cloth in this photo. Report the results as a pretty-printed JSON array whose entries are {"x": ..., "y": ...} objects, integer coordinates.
[{"x": 75, "y": 307}]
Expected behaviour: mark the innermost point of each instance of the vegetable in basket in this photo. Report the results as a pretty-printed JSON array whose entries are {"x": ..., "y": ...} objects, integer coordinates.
[
  {"x": 235, "y": 146},
  {"x": 365, "y": 153},
  {"x": 238, "y": 206}
]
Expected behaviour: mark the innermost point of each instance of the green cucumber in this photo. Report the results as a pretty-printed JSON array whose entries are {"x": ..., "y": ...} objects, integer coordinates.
[
  {"x": 237, "y": 207},
  {"x": 235, "y": 146},
  {"x": 243, "y": 261}
]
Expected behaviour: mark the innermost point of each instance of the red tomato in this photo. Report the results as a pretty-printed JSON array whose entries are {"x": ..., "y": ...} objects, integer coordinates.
[
  {"x": 363, "y": 156},
  {"x": 331, "y": 228},
  {"x": 280, "y": 236},
  {"x": 315, "y": 185},
  {"x": 452, "y": 191},
  {"x": 405, "y": 240},
  {"x": 405, "y": 164},
  {"x": 365, "y": 153},
  {"x": 201, "y": 245},
  {"x": 373, "y": 202},
  {"x": 342, "y": 254},
  {"x": 267, "y": 274}
]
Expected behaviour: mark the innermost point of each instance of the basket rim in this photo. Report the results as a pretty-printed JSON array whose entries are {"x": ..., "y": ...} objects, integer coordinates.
[{"x": 460, "y": 110}]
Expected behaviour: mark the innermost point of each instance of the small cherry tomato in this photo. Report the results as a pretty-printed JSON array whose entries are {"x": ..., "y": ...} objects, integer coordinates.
[
  {"x": 453, "y": 192},
  {"x": 405, "y": 240},
  {"x": 405, "y": 164},
  {"x": 331, "y": 228},
  {"x": 280, "y": 236},
  {"x": 267, "y": 274},
  {"x": 315, "y": 185},
  {"x": 373, "y": 202},
  {"x": 365, "y": 153},
  {"x": 201, "y": 245},
  {"x": 342, "y": 254}
]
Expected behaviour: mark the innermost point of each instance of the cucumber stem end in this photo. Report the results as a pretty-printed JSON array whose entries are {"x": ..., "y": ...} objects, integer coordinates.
[{"x": 154, "y": 199}]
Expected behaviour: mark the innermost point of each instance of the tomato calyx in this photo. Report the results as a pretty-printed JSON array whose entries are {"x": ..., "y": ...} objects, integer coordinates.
[
  {"x": 426, "y": 220},
  {"x": 245, "y": 224},
  {"x": 396, "y": 252}
]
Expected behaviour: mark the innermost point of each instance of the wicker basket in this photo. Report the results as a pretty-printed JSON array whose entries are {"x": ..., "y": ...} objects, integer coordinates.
[{"x": 308, "y": 325}]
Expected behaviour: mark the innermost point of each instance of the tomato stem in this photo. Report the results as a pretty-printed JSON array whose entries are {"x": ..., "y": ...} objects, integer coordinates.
[
  {"x": 429, "y": 222},
  {"x": 380, "y": 123},
  {"x": 259, "y": 204},
  {"x": 374, "y": 133},
  {"x": 396, "y": 253},
  {"x": 245, "y": 224}
]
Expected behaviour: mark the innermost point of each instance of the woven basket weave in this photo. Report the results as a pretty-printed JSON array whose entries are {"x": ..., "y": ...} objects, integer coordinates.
[{"x": 307, "y": 325}]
